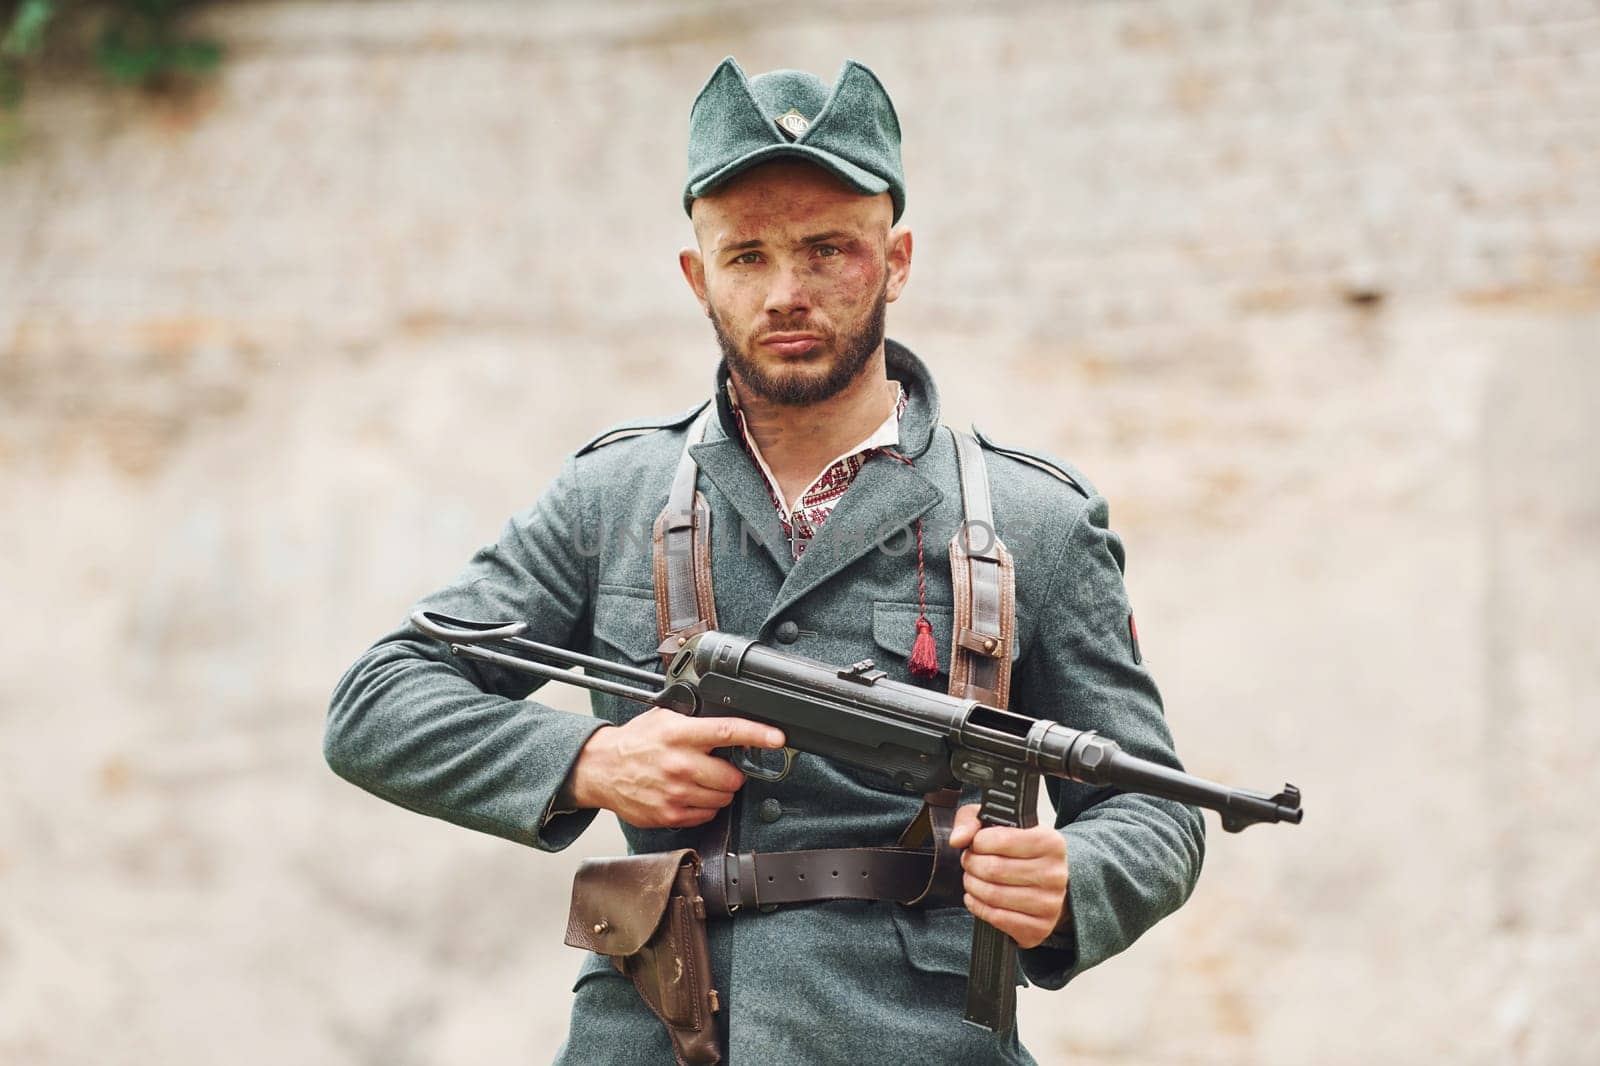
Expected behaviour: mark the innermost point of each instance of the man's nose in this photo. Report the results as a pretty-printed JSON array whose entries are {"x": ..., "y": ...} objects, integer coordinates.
[{"x": 788, "y": 293}]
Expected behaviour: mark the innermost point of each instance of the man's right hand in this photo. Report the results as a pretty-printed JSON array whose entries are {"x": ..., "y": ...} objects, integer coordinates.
[{"x": 656, "y": 770}]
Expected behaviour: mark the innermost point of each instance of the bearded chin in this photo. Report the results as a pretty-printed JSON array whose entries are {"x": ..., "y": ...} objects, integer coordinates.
[{"x": 782, "y": 386}]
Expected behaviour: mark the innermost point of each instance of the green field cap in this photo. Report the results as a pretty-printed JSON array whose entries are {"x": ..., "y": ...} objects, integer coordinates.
[{"x": 849, "y": 130}]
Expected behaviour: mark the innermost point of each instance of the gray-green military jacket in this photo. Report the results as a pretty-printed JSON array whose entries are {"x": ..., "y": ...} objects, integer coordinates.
[{"x": 836, "y": 982}]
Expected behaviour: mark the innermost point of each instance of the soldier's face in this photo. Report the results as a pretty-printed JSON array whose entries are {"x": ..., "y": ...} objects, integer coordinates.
[{"x": 795, "y": 269}]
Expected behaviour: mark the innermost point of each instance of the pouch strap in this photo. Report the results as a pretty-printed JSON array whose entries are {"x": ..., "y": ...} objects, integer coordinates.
[
  {"x": 929, "y": 833},
  {"x": 686, "y": 605}
]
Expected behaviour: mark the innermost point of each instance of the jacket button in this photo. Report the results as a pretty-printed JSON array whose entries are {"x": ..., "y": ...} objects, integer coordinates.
[
  {"x": 770, "y": 810},
  {"x": 787, "y": 632}
]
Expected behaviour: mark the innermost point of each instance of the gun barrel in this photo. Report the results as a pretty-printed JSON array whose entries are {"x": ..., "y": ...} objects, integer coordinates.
[{"x": 1237, "y": 807}]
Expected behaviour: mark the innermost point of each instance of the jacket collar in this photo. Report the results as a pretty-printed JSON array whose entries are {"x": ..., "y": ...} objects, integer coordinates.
[
  {"x": 885, "y": 495},
  {"x": 917, "y": 422}
]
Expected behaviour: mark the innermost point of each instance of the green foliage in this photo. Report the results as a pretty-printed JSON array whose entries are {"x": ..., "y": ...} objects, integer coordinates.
[
  {"x": 135, "y": 42},
  {"x": 143, "y": 46},
  {"x": 26, "y": 32},
  {"x": 24, "y": 37}
]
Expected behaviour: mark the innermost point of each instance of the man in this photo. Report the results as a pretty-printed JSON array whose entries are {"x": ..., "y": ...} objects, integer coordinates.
[{"x": 822, "y": 436}]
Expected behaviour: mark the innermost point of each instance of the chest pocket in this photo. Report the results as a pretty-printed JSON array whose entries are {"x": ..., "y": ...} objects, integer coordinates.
[
  {"x": 894, "y": 629},
  {"x": 625, "y": 627},
  {"x": 624, "y": 632}
]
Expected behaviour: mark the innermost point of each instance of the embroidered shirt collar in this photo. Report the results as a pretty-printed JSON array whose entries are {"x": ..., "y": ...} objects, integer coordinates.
[{"x": 816, "y": 501}]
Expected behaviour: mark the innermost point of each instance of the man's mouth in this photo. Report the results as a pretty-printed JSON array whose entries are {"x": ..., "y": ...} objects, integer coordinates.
[{"x": 790, "y": 343}]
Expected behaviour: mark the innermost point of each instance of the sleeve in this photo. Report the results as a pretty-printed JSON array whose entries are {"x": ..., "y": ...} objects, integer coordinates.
[
  {"x": 444, "y": 737},
  {"x": 1131, "y": 859}
]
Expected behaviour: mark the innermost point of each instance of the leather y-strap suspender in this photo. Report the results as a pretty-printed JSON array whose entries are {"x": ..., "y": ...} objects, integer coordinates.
[
  {"x": 681, "y": 549},
  {"x": 984, "y": 582},
  {"x": 922, "y": 869}
]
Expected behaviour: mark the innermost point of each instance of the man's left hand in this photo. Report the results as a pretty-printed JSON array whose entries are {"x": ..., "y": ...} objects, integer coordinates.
[{"x": 1016, "y": 879}]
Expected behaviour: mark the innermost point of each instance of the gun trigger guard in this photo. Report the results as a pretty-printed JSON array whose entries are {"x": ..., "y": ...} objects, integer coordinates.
[{"x": 754, "y": 768}]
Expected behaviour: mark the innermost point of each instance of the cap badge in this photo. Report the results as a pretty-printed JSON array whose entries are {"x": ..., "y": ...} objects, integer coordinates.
[{"x": 793, "y": 123}]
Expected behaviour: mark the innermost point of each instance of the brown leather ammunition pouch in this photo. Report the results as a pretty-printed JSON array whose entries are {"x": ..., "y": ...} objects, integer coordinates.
[{"x": 645, "y": 912}]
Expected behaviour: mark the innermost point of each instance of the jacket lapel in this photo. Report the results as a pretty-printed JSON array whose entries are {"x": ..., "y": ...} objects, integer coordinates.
[
  {"x": 883, "y": 501},
  {"x": 725, "y": 464},
  {"x": 880, "y": 506}
]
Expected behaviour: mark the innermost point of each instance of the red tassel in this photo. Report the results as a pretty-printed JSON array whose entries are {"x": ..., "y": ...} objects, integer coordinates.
[
  {"x": 924, "y": 652},
  {"x": 924, "y": 661}
]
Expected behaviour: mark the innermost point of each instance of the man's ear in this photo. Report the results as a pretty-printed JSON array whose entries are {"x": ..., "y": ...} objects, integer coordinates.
[
  {"x": 694, "y": 272},
  {"x": 898, "y": 256}
]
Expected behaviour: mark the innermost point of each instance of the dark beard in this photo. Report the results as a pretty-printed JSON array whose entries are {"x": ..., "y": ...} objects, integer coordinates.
[{"x": 793, "y": 390}]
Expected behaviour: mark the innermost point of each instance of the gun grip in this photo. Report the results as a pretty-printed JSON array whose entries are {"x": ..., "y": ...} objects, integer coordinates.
[{"x": 992, "y": 978}]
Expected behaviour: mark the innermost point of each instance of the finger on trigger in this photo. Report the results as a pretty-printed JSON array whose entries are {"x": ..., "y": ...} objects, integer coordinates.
[
  {"x": 695, "y": 796},
  {"x": 710, "y": 772}
]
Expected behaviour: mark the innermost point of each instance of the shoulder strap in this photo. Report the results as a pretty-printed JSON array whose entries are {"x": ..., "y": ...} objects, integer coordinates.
[
  {"x": 983, "y": 577},
  {"x": 638, "y": 427},
  {"x": 1063, "y": 472},
  {"x": 681, "y": 554},
  {"x": 686, "y": 605}
]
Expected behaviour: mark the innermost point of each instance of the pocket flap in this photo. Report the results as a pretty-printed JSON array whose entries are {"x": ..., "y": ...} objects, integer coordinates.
[
  {"x": 618, "y": 903},
  {"x": 627, "y": 624},
  {"x": 894, "y": 629},
  {"x": 937, "y": 940}
]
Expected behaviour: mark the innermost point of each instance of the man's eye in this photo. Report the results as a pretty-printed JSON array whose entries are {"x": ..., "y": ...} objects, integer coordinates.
[
  {"x": 827, "y": 251},
  {"x": 748, "y": 258}
]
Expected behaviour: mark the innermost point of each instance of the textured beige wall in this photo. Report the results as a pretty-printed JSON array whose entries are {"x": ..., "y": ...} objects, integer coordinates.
[{"x": 1312, "y": 291}]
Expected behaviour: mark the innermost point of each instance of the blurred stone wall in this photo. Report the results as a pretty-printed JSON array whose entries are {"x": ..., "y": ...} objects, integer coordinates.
[{"x": 1311, "y": 290}]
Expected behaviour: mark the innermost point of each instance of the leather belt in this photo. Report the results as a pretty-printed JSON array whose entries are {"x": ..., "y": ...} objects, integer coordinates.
[{"x": 730, "y": 883}]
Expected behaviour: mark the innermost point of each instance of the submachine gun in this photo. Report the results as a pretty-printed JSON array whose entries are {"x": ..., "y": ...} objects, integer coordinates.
[{"x": 921, "y": 739}]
